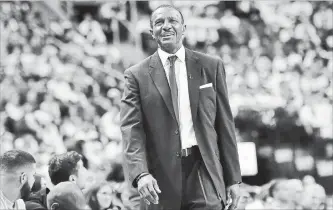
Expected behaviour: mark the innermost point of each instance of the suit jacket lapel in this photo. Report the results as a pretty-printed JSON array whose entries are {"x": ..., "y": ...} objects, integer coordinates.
[
  {"x": 194, "y": 76},
  {"x": 157, "y": 73}
]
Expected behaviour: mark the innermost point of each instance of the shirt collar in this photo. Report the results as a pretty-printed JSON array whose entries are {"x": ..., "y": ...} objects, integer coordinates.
[
  {"x": 7, "y": 202},
  {"x": 164, "y": 55}
]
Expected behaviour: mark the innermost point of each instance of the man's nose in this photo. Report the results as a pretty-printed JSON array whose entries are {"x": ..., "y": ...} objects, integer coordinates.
[{"x": 166, "y": 25}]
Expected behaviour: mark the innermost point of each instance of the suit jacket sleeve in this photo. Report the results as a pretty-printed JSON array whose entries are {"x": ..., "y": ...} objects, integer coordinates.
[
  {"x": 225, "y": 129},
  {"x": 30, "y": 205},
  {"x": 134, "y": 150}
]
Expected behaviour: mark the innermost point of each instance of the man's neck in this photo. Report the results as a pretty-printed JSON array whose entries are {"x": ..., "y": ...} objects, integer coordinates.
[
  {"x": 171, "y": 51},
  {"x": 10, "y": 194}
]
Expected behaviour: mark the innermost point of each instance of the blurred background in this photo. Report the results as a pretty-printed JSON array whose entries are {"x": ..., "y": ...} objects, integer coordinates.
[{"x": 61, "y": 79}]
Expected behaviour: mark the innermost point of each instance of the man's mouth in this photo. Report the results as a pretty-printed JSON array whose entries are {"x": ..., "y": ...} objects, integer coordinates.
[{"x": 167, "y": 35}]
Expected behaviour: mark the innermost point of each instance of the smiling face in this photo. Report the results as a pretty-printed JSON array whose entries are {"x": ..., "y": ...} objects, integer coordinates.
[{"x": 167, "y": 28}]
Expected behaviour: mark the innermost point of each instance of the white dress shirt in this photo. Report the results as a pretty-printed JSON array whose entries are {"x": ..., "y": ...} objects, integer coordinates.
[
  {"x": 5, "y": 203},
  {"x": 187, "y": 134}
]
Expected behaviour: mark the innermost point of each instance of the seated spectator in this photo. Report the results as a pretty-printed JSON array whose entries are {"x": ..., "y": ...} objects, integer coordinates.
[
  {"x": 68, "y": 167},
  {"x": 92, "y": 29},
  {"x": 17, "y": 170},
  {"x": 314, "y": 197},
  {"x": 37, "y": 198},
  {"x": 244, "y": 199},
  {"x": 64, "y": 167},
  {"x": 295, "y": 191},
  {"x": 66, "y": 196},
  {"x": 308, "y": 180},
  {"x": 103, "y": 197},
  {"x": 279, "y": 197}
]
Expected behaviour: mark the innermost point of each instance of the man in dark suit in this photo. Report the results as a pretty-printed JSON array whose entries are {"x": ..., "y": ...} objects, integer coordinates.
[{"x": 179, "y": 148}]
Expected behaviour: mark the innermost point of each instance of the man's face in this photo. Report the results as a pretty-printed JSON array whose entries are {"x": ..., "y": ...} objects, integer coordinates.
[
  {"x": 82, "y": 176},
  {"x": 282, "y": 193},
  {"x": 167, "y": 29}
]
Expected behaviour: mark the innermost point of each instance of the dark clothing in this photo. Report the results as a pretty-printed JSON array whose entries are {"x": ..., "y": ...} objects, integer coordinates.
[
  {"x": 37, "y": 201},
  {"x": 197, "y": 185},
  {"x": 151, "y": 132}
]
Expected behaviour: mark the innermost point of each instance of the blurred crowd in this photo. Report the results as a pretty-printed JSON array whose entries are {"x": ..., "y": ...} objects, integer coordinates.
[
  {"x": 72, "y": 190},
  {"x": 55, "y": 92},
  {"x": 61, "y": 84},
  {"x": 276, "y": 54},
  {"x": 285, "y": 194}
]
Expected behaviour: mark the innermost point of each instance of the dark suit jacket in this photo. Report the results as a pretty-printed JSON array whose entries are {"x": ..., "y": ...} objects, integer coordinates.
[
  {"x": 37, "y": 200},
  {"x": 150, "y": 129}
]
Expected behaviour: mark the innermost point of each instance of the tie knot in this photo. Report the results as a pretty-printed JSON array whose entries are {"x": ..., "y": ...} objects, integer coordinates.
[{"x": 172, "y": 59}]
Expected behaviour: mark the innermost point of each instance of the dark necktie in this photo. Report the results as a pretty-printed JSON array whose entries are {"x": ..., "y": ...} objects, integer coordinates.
[{"x": 173, "y": 85}]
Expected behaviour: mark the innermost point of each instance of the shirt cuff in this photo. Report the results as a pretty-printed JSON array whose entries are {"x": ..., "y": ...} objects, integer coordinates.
[{"x": 140, "y": 176}]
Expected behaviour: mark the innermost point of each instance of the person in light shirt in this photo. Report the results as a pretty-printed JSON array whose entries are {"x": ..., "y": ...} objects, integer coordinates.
[{"x": 17, "y": 170}]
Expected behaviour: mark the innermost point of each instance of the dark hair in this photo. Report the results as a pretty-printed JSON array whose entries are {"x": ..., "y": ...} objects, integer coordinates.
[
  {"x": 91, "y": 196},
  {"x": 62, "y": 166},
  {"x": 116, "y": 174},
  {"x": 166, "y": 6},
  {"x": 14, "y": 159},
  {"x": 275, "y": 185}
]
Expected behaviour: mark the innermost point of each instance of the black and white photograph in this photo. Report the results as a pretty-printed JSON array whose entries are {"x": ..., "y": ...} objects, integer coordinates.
[{"x": 166, "y": 105}]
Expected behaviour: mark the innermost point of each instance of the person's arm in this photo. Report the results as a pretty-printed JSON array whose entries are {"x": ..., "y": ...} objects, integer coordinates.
[
  {"x": 134, "y": 150},
  {"x": 134, "y": 137},
  {"x": 224, "y": 125}
]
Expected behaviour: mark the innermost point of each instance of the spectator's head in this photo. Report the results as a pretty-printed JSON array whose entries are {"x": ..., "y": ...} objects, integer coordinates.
[
  {"x": 167, "y": 27},
  {"x": 17, "y": 170},
  {"x": 295, "y": 190},
  {"x": 68, "y": 167},
  {"x": 100, "y": 196},
  {"x": 279, "y": 190},
  {"x": 308, "y": 180},
  {"x": 244, "y": 198},
  {"x": 66, "y": 196},
  {"x": 88, "y": 16},
  {"x": 314, "y": 197}
]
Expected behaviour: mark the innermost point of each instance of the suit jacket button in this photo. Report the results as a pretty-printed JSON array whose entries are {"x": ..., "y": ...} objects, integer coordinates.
[{"x": 176, "y": 132}]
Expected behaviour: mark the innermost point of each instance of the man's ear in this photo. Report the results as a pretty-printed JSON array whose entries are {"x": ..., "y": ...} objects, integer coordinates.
[
  {"x": 72, "y": 178},
  {"x": 184, "y": 28},
  {"x": 54, "y": 206},
  {"x": 151, "y": 33},
  {"x": 23, "y": 178}
]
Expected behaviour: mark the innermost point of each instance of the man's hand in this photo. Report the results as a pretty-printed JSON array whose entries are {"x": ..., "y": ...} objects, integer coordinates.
[
  {"x": 148, "y": 189},
  {"x": 233, "y": 196}
]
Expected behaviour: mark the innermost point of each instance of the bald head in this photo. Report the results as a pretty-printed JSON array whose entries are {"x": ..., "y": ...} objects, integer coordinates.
[
  {"x": 295, "y": 184},
  {"x": 66, "y": 196}
]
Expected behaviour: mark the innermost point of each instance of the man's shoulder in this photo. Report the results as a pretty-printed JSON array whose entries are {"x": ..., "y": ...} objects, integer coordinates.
[
  {"x": 34, "y": 205},
  {"x": 37, "y": 200},
  {"x": 140, "y": 67},
  {"x": 206, "y": 58}
]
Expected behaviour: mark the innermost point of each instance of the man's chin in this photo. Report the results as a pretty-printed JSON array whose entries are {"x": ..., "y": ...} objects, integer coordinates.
[{"x": 168, "y": 45}]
